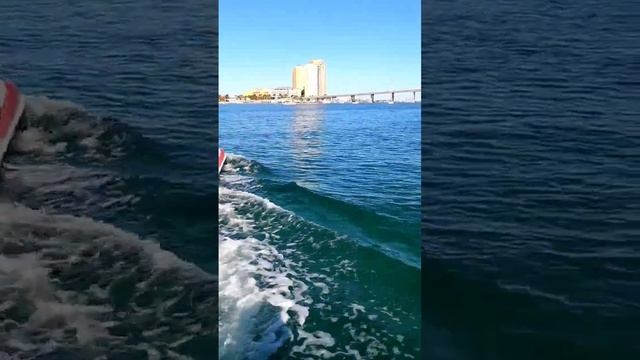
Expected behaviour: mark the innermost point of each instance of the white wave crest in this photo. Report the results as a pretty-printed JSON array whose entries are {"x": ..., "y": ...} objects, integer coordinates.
[
  {"x": 259, "y": 295},
  {"x": 71, "y": 282}
]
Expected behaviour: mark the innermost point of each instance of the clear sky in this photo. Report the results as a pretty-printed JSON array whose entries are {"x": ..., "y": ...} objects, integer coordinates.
[{"x": 367, "y": 44}]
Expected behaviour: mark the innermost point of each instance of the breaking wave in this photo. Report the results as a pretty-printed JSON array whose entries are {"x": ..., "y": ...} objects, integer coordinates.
[
  {"x": 279, "y": 298},
  {"x": 71, "y": 285}
]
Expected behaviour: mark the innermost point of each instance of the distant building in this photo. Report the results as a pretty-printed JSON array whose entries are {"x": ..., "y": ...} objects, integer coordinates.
[
  {"x": 286, "y": 92},
  {"x": 311, "y": 77},
  {"x": 299, "y": 78},
  {"x": 322, "y": 76},
  {"x": 258, "y": 93},
  {"x": 312, "y": 80}
]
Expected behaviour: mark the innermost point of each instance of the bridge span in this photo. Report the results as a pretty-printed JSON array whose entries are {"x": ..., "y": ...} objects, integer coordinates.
[{"x": 370, "y": 93}]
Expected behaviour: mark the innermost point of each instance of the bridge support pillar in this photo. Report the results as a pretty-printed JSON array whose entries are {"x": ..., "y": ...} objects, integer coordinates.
[
  {"x": 393, "y": 96},
  {"x": 414, "y": 96},
  {"x": 372, "y": 100},
  {"x": 353, "y": 98}
]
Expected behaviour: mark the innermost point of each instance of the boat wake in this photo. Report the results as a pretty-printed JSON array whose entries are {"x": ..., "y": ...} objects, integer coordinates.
[
  {"x": 71, "y": 285},
  {"x": 256, "y": 297},
  {"x": 283, "y": 279}
]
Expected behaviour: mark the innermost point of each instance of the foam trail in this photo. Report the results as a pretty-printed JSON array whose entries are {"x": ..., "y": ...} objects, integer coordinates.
[
  {"x": 52, "y": 128},
  {"x": 73, "y": 283},
  {"x": 74, "y": 287},
  {"x": 287, "y": 285},
  {"x": 256, "y": 301}
]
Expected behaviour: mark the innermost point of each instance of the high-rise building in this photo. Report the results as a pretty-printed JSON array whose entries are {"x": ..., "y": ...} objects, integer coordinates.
[
  {"x": 311, "y": 77},
  {"x": 299, "y": 77},
  {"x": 322, "y": 76},
  {"x": 312, "y": 80}
]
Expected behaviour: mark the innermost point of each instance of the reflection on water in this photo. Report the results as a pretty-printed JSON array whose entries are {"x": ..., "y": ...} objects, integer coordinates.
[{"x": 307, "y": 149}]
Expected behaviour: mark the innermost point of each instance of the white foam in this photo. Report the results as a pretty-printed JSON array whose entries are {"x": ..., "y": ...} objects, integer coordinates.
[
  {"x": 355, "y": 308},
  {"x": 236, "y": 164},
  {"x": 27, "y": 273},
  {"x": 67, "y": 188},
  {"x": 12, "y": 215},
  {"x": 47, "y": 125},
  {"x": 260, "y": 296},
  {"x": 267, "y": 285},
  {"x": 42, "y": 256},
  {"x": 35, "y": 140},
  {"x": 37, "y": 105},
  {"x": 247, "y": 196},
  {"x": 317, "y": 338}
]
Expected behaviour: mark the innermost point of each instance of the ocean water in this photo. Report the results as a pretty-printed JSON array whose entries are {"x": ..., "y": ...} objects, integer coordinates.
[
  {"x": 319, "y": 231},
  {"x": 531, "y": 180},
  {"x": 107, "y": 222}
]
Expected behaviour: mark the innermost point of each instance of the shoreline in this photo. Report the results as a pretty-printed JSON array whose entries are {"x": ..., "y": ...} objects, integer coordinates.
[{"x": 313, "y": 102}]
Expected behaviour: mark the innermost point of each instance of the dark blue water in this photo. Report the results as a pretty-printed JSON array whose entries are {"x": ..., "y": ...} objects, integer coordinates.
[
  {"x": 531, "y": 180},
  {"x": 319, "y": 231},
  {"x": 106, "y": 228}
]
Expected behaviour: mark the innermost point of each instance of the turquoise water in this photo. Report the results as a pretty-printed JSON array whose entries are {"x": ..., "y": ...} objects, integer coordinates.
[{"x": 319, "y": 231}]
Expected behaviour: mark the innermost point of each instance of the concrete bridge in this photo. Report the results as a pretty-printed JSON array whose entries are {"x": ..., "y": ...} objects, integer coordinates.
[{"x": 371, "y": 93}]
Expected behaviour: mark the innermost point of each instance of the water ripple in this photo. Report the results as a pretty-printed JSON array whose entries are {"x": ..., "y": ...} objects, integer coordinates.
[{"x": 531, "y": 179}]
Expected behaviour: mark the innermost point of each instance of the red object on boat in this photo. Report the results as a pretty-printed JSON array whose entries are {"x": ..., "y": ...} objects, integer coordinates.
[
  {"x": 11, "y": 107},
  {"x": 221, "y": 158}
]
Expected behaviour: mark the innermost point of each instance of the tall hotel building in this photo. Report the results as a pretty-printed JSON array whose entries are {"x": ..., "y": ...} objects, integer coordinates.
[
  {"x": 312, "y": 77},
  {"x": 299, "y": 78}
]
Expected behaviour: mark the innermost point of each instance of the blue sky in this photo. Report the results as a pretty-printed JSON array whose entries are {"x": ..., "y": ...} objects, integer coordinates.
[{"x": 367, "y": 44}]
